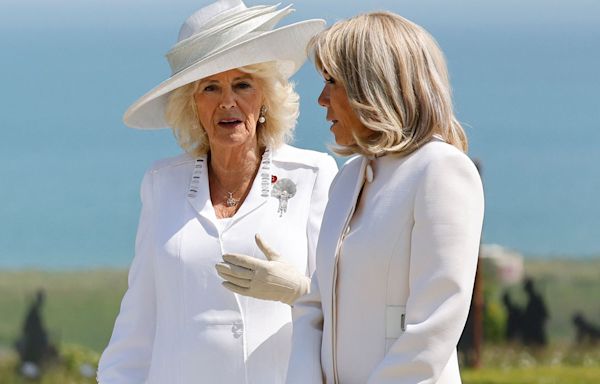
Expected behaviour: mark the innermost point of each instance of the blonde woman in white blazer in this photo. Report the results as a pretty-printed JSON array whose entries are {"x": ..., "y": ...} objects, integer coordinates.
[
  {"x": 398, "y": 248},
  {"x": 232, "y": 109}
]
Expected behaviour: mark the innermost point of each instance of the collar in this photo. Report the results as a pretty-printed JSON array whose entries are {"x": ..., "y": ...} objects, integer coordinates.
[{"x": 198, "y": 194}]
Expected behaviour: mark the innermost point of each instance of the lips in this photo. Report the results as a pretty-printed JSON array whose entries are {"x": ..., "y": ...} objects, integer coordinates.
[{"x": 229, "y": 122}]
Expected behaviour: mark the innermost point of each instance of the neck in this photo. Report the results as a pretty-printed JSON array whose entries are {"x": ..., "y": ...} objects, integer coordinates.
[
  {"x": 234, "y": 166},
  {"x": 230, "y": 175}
]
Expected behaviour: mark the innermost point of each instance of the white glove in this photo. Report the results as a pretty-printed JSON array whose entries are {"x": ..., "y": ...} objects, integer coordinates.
[{"x": 271, "y": 279}]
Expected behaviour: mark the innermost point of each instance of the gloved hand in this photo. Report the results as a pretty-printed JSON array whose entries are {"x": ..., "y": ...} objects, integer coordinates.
[{"x": 271, "y": 279}]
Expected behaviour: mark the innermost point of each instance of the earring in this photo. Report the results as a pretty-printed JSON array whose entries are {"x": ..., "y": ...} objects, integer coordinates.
[{"x": 261, "y": 118}]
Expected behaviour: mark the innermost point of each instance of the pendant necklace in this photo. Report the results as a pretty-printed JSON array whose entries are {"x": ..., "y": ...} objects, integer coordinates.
[{"x": 230, "y": 201}]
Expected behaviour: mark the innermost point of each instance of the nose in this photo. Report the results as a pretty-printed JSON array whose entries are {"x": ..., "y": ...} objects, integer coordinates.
[
  {"x": 228, "y": 99},
  {"x": 323, "y": 99}
]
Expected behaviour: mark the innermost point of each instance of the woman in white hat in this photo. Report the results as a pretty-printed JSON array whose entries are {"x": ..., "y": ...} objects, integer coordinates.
[
  {"x": 398, "y": 247},
  {"x": 232, "y": 110}
]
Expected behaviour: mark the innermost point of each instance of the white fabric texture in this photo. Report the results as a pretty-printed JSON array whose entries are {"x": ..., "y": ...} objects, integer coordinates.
[
  {"x": 394, "y": 278},
  {"x": 177, "y": 323}
]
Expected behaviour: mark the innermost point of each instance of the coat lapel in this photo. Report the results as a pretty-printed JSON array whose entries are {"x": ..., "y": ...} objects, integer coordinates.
[{"x": 199, "y": 193}]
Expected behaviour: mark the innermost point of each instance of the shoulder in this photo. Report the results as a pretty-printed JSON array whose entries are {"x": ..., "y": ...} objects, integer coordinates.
[
  {"x": 164, "y": 165},
  {"x": 439, "y": 165},
  {"x": 441, "y": 156},
  {"x": 303, "y": 157},
  {"x": 170, "y": 172}
]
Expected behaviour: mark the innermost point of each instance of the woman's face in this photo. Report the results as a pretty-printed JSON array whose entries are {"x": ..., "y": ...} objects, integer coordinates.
[
  {"x": 228, "y": 105},
  {"x": 344, "y": 120}
]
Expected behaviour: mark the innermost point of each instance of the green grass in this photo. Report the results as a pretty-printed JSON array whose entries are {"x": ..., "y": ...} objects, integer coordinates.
[
  {"x": 65, "y": 371},
  {"x": 534, "y": 375},
  {"x": 80, "y": 306},
  {"x": 559, "y": 363}
]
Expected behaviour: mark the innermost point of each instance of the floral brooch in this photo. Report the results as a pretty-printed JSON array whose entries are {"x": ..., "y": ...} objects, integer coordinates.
[{"x": 283, "y": 189}]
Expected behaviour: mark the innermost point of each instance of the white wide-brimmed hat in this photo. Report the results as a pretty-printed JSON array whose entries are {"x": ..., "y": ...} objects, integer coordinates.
[{"x": 222, "y": 36}]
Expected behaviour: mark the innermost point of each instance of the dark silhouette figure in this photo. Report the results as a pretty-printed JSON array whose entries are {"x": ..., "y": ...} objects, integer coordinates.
[
  {"x": 514, "y": 316},
  {"x": 33, "y": 346},
  {"x": 586, "y": 331},
  {"x": 534, "y": 317}
]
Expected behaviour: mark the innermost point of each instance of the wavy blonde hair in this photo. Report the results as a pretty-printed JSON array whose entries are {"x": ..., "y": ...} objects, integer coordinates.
[
  {"x": 396, "y": 79},
  {"x": 281, "y": 100}
]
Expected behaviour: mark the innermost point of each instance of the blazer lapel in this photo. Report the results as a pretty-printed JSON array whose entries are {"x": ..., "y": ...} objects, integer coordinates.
[{"x": 198, "y": 192}]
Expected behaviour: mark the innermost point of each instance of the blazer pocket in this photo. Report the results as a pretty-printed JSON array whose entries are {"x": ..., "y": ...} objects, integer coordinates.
[{"x": 395, "y": 323}]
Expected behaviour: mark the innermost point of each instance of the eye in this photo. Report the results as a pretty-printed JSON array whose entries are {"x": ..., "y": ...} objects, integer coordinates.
[
  {"x": 329, "y": 80},
  {"x": 209, "y": 88},
  {"x": 243, "y": 85}
]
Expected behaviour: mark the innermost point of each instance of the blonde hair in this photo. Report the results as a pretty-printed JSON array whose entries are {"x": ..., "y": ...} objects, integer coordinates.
[
  {"x": 281, "y": 102},
  {"x": 396, "y": 79}
]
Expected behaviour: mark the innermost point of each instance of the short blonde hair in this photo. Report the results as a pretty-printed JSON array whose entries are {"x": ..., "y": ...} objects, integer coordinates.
[
  {"x": 396, "y": 79},
  {"x": 281, "y": 102}
]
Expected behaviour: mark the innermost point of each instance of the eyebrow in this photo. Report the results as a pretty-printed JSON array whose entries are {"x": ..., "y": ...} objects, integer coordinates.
[{"x": 243, "y": 77}]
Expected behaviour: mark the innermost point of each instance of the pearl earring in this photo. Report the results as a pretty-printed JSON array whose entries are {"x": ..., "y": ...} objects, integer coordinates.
[{"x": 262, "y": 119}]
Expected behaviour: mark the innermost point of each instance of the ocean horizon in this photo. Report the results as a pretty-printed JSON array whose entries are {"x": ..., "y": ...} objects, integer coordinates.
[{"x": 526, "y": 91}]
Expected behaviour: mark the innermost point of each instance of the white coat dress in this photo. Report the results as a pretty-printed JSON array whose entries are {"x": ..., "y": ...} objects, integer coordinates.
[
  {"x": 177, "y": 323},
  {"x": 395, "y": 273}
]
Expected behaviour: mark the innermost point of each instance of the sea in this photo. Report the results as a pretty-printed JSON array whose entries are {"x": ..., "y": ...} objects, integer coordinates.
[{"x": 526, "y": 87}]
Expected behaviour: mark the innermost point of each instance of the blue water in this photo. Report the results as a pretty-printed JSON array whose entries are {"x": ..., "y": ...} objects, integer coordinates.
[{"x": 526, "y": 89}]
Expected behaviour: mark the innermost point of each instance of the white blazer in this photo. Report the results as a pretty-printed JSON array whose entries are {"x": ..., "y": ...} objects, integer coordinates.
[
  {"x": 177, "y": 324},
  {"x": 394, "y": 275}
]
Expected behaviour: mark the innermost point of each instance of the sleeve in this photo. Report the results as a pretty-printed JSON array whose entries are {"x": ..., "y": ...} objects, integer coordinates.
[
  {"x": 305, "y": 359},
  {"x": 448, "y": 216},
  {"x": 126, "y": 359},
  {"x": 325, "y": 174}
]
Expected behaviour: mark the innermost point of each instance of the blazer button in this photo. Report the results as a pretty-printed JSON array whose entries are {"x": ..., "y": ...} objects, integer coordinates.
[{"x": 237, "y": 330}]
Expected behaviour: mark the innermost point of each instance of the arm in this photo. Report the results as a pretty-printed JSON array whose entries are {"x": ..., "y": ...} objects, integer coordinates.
[
  {"x": 127, "y": 357},
  {"x": 307, "y": 314},
  {"x": 305, "y": 359},
  {"x": 320, "y": 195},
  {"x": 448, "y": 214}
]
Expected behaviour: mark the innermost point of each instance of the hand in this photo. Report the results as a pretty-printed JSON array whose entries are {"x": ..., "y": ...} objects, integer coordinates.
[{"x": 271, "y": 279}]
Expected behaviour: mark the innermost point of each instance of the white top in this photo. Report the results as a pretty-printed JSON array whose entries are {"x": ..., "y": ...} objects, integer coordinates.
[
  {"x": 223, "y": 223},
  {"x": 177, "y": 324},
  {"x": 395, "y": 272}
]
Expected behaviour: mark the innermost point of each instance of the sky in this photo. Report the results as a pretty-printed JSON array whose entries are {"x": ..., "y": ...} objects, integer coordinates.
[{"x": 524, "y": 76}]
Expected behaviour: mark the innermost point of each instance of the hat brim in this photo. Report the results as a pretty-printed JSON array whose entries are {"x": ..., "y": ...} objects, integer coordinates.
[{"x": 285, "y": 45}]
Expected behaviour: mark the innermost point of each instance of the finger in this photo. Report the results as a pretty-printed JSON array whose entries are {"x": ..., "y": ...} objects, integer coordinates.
[
  {"x": 234, "y": 270},
  {"x": 243, "y": 261},
  {"x": 242, "y": 283},
  {"x": 270, "y": 254},
  {"x": 235, "y": 288}
]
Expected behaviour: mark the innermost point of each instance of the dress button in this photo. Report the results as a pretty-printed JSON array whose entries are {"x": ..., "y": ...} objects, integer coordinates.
[{"x": 237, "y": 330}]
